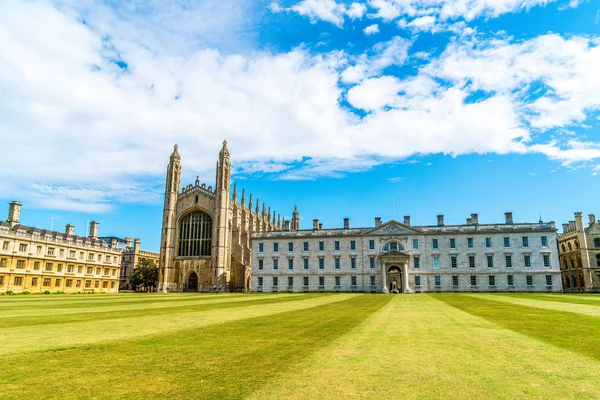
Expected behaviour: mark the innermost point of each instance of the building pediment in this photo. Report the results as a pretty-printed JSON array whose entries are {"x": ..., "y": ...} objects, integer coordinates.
[{"x": 394, "y": 228}]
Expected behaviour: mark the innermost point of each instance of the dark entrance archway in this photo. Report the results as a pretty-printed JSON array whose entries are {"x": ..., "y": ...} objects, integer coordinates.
[
  {"x": 192, "y": 283},
  {"x": 394, "y": 279}
]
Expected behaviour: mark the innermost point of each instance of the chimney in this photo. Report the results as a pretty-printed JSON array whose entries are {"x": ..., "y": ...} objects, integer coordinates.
[
  {"x": 70, "y": 229},
  {"x": 469, "y": 221},
  {"x": 377, "y": 221},
  {"x": 128, "y": 242},
  {"x": 286, "y": 225},
  {"x": 440, "y": 219},
  {"x": 14, "y": 213},
  {"x": 474, "y": 219},
  {"x": 136, "y": 245},
  {"x": 578, "y": 221},
  {"x": 407, "y": 220},
  {"x": 592, "y": 218},
  {"x": 565, "y": 228},
  {"x": 508, "y": 218},
  {"x": 346, "y": 223},
  {"x": 320, "y": 225},
  {"x": 113, "y": 243},
  {"x": 315, "y": 224},
  {"x": 94, "y": 229}
]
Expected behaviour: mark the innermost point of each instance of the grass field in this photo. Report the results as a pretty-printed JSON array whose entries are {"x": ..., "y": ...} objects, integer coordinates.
[{"x": 300, "y": 346}]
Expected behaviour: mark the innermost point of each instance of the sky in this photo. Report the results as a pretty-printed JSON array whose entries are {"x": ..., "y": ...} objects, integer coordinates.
[{"x": 354, "y": 109}]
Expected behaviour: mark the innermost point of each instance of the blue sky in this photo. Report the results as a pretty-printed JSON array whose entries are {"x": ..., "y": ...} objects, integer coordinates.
[{"x": 339, "y": 107}]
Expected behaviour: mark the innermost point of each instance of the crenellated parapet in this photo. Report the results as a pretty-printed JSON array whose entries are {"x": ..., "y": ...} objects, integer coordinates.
[{"x": 197, "y": 188}]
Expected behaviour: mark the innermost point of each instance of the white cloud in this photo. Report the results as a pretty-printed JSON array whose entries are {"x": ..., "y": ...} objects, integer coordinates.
[
  {"x": 426, "y": 23},
  {"x": 326, "y": 10},
  {"x": 85, "y": 132},
  {"x": 386, "y": 10},
  {"x": 356, "y": 10},
  {"x": 371, "y": 29},
  {"x": 381, "y": 56}
]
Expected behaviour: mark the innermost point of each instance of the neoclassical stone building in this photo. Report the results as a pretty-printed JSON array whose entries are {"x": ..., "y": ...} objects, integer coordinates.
[
  {"x": 205, "y": 242},
  {"x": 131, "y": 256},
  {"x": 579, "y": 248},
  {"x": 400, "y": 257},
  {"x": 39, "y": 260}
]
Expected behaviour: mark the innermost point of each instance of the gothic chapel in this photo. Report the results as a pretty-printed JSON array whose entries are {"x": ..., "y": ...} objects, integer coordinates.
[{"x": 205, "y": 239}]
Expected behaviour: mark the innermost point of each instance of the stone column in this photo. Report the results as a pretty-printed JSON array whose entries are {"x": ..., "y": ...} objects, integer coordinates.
[
  {"x": 384, "y": 272},
  {"x": 405, "y": 287}
]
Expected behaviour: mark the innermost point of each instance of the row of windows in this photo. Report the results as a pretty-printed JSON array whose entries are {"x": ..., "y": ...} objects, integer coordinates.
[
  {"x": 305, "y": 263},
  {"x": 306, "y": 280},
  {"x": 51, "y": 251},
  {"x": 49, "y": 267},
  {"x": 510, "y": 280},
  {"x": 437, "y": 280},
  {"x": 508, "y": 261},
  {"x": 47, "y": 282},
  {"x": 395, "y": 245}
]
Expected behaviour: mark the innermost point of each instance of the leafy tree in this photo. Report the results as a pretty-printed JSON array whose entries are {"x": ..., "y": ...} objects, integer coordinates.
[{"x": 144, "y": 276}]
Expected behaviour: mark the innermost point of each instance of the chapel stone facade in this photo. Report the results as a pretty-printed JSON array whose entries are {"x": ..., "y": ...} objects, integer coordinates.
[{"x": 205, "y": 239}]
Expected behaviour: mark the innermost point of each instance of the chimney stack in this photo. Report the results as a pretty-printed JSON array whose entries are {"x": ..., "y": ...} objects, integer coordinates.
[
  {"x": 320, "y": 225},
  {"x": 565, "y": 228},
  {"x": 316, "y": 224},
  {"x": 286, "y": 225},
  {"x": 136, "y": 245},
  {"x": 474, "y": 219},
  {"x": 70, "y": 229},
  {"x": 346, "y": 223},
  {"x": 592, "y": 218},
  {"x": 14, "y": 213},
  {"x": 508, "y": 217},
  {"x": 407, "y": 220},
  {"x": 128, "y": 242},
  {"x": 440, "y": 219},
  {"x": 377, "y": 221},
  {"x": 94, "y": 229},
  {"x": 469, "y": 221},
  {"x": 113, "y": 243}
]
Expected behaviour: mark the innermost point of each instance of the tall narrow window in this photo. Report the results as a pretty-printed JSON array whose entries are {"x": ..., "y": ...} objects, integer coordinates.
[
  {"x": 371, "y": 244},
  {"x": 470, "y": 243},
  {"x": 472, "y": 261},
  {"x": 527, "y": 261},
  {"x": 453, "y": 262},
  {"x": 290, "y": 263},
  {"x": 321, "y": 281},
  {"x": 488, "y": 242},
  {"x": 490, "y": 261},
  {"x": 434, "y": 243},
  {"x": 508, "y": 261},
  {"x": 290, "y": 246},
  {"x": 546, "y": 261},
  {"x": 437, "y": 280},
  {"x": 452, "y": 243},
  {"x": 417, "y": 280},
  {"x": 305, "y": 246},
  {"x": 321, "y": 246},
  {"x": 353, "y": 245},
  {"x": 336, "y": 245},
  {"x": 416, "y": 262},
  {"x": 353, "y": 280},
  {"x": 492, "y": 280},
  {"x": 195, "y": 235},
  {"x": 372, "y": 262},
  {"x": 275, "y": 247},
  {"x": 544, "y": 241},
  {"x": 276, "y": 263},
  {"x": 290, "y": 281},
  {"x": 337, "y": 281},
  {"x": 506, "y": 241},
  {"x": 373, "y": 282},
  {"x": 306, "y": 263},
  {"x": 548, "y": 280},
  {"x": 436, "y": 262},
  {"x": 416, "y": 244},
  {"x": 473, "y": 280},
  {"x": 454, "y": 280},
  {"x": 525, "y": 241},
  {"x": 305, "y": 281},
  {"x": 353, "y": 262},
  {"x": 510, "y": 280},
  {"x": 529, "y": 280}
]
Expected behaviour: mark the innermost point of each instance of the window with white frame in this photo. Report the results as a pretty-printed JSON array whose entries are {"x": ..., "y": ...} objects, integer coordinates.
[
  {"x": 417, "y": 280},
  {"x": 437, "y": 280},
  {"x": 529, "y": 280},
  {"x": 453, "y": 262},
  {"x": 290, "y": 263},
  {"x": 546, "y": 258},
  {"x": 527, "y": 259},
  {"x": 305, "y": 263},
  {"x": 490, "y": 261},
  {"x": 276, "y": 263},
  {"x": 321, "y": 281},
  {"x": 508, "y": 259},
  {"x": 436, "y": 262},
  {"x": 337, "y": 281},
  {"x": 454, "y": 280},
  {"x": 510, "y": 280},
  {"x": 506, "y": 241},
  {"x": 473, "y": 280}
]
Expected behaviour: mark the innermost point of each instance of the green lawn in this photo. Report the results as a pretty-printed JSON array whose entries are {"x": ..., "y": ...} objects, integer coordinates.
[{"x": 301, "y": 346}]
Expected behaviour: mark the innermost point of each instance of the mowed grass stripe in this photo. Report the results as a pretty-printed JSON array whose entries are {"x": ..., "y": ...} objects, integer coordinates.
[
  {"x": 573, "y": 331},
  {"x": 559, "y": 298},
  {"x": 225, "y": 361},
  {"x": 590, "y": 310},
  {"x": 417, "y": 347},
  {"x": 23, "y": 303},
  {"x": 27, "y": 339},
  {"x": 116, "y": 307},
  {"x": 219, "y": 303}
]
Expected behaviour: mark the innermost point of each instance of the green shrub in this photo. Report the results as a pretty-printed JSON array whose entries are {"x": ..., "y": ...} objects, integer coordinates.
[
  {"x": 25, "y": 292},
  {"x": 46, "y": 292},
  {"x": 10, "y": 293}
]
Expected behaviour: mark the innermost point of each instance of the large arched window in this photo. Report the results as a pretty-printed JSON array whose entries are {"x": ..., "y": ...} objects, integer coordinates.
[
  {"x": 393, "y": 245},
  {"x": 195, "y": 234}
]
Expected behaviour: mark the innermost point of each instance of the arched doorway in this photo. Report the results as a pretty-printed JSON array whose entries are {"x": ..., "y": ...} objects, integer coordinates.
[
  {"x": 192, "y": 283},
  {"x": 394, "y": 279}
]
